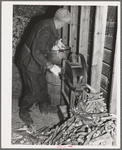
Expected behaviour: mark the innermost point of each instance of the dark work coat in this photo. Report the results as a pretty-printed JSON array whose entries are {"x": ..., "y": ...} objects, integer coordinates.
[{"x": 32, "y": 57}]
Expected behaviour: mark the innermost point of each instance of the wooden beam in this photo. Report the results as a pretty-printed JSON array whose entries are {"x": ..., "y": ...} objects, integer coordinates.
[
  {"x": 90, "y": 45},
  {"x": 113, "y": 93},
  {"x": 109, "y": 42},
  {"x": 107, "y": 57},
  {"x": 104, "y": 82},
  {"x": 59, "y": 32},
  {"x": 65, "y": 32},
  {"x": 73, "y": 28},
  {"x": 106, "y": 69},
  {"x": 98, "y": 46},
  {"x": 105, "y": 95},
  {"x": 84, "y": 30}
]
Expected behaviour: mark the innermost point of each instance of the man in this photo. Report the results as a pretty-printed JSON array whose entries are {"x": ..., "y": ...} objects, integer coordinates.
[{"x": 32, "y": 61}]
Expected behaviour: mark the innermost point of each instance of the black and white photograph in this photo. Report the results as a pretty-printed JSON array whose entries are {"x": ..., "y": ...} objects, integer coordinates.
[{"x": 60, "y": 74}]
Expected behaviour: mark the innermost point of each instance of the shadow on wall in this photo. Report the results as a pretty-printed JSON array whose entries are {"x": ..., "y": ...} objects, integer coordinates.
[{"x": 34, "y": 20}]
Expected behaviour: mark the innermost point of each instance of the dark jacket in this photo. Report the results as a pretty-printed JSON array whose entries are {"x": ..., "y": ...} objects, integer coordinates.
[{"x": 32, "y": 56}]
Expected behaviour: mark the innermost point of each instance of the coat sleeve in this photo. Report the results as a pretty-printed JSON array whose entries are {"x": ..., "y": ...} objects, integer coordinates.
[{"x": 39, "y": 47}]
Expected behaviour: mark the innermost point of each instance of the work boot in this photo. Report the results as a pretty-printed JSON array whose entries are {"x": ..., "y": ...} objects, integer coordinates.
[{"x": 25, "y": 116}]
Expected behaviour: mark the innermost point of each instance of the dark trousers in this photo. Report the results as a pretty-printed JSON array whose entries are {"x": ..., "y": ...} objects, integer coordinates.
[{"x": 35, "y": 90}]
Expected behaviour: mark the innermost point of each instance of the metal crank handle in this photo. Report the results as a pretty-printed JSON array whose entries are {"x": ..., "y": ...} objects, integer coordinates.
[{"x": 71, "y": 86}]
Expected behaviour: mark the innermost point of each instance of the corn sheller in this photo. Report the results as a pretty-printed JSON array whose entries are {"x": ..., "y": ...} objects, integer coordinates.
[{"x": 79, "y": 96}]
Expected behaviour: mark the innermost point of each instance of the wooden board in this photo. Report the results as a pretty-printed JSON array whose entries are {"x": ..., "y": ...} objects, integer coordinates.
[
  {"x": 90, "y": 47},
  {"x": 113, "y": 93},
  {"x": 73, "y": 28},
  {"x": 112, "y": 13},
  {"x": 88, "y": 59},
  {"x": 111, "y": 28},
  {"x": 110, "y": 24},
  {"x": 92, "y": 18},
  {"x": 90, "y": 36},
  {"x": 106, "y": 69},
  {"x": 59, "y": 32},
  {"x": 65, "y": 31},
  {"x": 104, "y": 82},
  {"x": 88, "y": 74},
  {"x": 107, "y": 57},
  {"x": 84, "y": 30},
  {"x": 109, "y": 42},
  {"x": 105, "y": 95},
  {"x": 98, "y": 46}
]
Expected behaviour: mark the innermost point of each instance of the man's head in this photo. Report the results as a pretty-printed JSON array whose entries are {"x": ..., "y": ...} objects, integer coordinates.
[{"x": 62, "y": 16}]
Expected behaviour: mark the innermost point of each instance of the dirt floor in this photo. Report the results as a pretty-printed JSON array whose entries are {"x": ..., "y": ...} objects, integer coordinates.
[{"x": 40, "y": 119}]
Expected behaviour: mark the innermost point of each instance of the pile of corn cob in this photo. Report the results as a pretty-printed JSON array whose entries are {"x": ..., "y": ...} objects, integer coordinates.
[
  {"x": 90, "y": 124},
  {"x": 29, "y": 11},
  {"x": 74, "y": 131},
  {"x": 19, "y": 24},
  {"x": 90, "y": 102}
]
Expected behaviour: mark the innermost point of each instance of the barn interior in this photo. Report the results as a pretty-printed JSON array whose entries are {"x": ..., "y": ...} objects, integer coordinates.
[{"x": 92, "y": 42}]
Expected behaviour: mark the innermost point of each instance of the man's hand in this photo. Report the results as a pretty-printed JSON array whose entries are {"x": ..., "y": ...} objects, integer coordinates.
[
  {"x": 60, "y": 44},
  {"x": 55, "y": 47},
  {"x": 55, "y": 69}
]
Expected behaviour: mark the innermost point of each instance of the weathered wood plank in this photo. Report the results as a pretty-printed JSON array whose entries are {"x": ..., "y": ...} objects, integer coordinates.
[
  {"x": 65, "y": 31},
  {"x": 73, "y": 28},
  {"x": 84, "y": 30},
  {"x": 59, "y": 32},
  {"x": 91, "y": 25},
  {"x": 111, "y": 28},
  {"x": 110, "y": 24},
  {"x": 65, "y": 34},
  {"x": 109, "y": 42},
  {"x": 90, "y": 47},
  {"x": 113, "y": 93},
  {"x": 104, "y": 82},
  {"x": 105, "y": 95},
  {"x": 88, "y": 74},
  {"x": 107, "y": 57},
  {"x": 106, "y": 69},
  {"x": 110, "y": 31},
  {"x": 98, "y": 46},
  {"x": 92, "y": 18},
  {"x": 91, "y": 36},
  {"x": 88, "y": 59},
  {"x": 112, "y": 13}
]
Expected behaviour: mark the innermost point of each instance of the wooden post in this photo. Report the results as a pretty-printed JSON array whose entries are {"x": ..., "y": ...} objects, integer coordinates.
[
  {"x": 65, "y": 32},
  {"x": 98, "y": 46},
  {"x": 113, "y": 93},
  {"x": 59, "y": 32},
  {"x": 73, "y": 28},
  {"x": 84, "y": 30}
]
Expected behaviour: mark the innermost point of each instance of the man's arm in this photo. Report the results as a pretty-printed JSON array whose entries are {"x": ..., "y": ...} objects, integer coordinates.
[{"x": 40, "y": 46}]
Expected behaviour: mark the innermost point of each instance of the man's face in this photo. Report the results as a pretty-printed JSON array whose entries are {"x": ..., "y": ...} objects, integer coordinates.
[{"x": 60, "y": 24}]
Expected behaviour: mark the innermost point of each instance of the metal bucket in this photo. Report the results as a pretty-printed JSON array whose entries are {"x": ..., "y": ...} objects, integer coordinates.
[
  {"x": 53, "y": 87},
  {"x": 56, "y": 56}
]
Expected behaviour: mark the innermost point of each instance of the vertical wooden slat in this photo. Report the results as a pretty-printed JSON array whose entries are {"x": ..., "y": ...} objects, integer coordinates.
[
  {"x": 59, "y": 32},
  {"x": 65, "y": 32},
  {"x": 84, "y": 30},
  {"x": 73, "y": 28},
  {"x": 98, "y": 46},
  {"x": 113, "y": 93}
]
